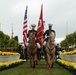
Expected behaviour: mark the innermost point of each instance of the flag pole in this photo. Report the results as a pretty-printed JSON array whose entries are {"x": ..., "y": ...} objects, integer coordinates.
[
  {"x": 43, "y": 24},
  {"x": 12, "y": 31}
]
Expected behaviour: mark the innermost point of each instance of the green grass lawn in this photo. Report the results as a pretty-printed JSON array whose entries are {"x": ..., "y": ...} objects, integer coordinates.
[{"x": 41, "y": 69}]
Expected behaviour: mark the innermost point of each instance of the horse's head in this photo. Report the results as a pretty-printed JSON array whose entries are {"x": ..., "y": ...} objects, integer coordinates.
[
  {"x": 52, "y": 36},
  {"x": 31, "y": 37}
]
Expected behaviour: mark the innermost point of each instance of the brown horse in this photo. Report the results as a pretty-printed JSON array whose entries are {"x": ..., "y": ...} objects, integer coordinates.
[
  {"x": 50, "y": 50},
  {"x": 32, "y": 50}
]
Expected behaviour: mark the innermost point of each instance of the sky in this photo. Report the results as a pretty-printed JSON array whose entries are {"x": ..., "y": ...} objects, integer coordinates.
[{"x": 61, "y": 13}]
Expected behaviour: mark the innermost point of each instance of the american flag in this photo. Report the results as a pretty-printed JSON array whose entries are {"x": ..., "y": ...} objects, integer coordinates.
[{"x": 25, "y": 28}]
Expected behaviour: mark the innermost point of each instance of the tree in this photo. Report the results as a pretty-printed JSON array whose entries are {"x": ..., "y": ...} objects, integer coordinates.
[
  {"x": 1, "y": 39},
  {"x": 6, "y": 41},
  {"x": 74, "y": 36},
  {"x": 16, "y": 38},
  {"x": 64, "y": 43},
  {"x": 70, "y": 39},
  {"x": 13, "y": 44}
]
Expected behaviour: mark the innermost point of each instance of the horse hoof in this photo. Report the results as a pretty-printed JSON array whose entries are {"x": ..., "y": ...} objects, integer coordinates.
[
  {"x": 30, "y": 66},
  {"x": 36, "y": 63},
  {"x": 33, "y": 66},
  {"x": 52, "y": 65},
  {"x": 49, "y": 66}
]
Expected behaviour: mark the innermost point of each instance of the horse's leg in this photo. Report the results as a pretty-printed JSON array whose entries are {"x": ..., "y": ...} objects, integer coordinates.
[
  {"x": 32, "y": 61},
  {"x": 35, "y": 60},
  {"x": 52, "y": 58},
  {"x": 45, "y": 57},
  {"x": 48, "y": 57},
  {"x": 52, "y": 61},
  {"x": 45, "y": 53},
  {"x": 48, "y": 60},
  {"x": 29, "y": 56}
]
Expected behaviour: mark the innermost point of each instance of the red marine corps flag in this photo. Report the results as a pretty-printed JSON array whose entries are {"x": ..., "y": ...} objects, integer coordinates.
[
  {"x": 25, "y": 29},
  {"x": 40, "y": 28}
]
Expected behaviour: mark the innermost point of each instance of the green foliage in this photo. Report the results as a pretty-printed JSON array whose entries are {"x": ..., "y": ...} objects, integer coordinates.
[
  {"x": 69, "y": 40},
  {"x": 7, "y": 42},
  {"x": 16, "y": 38},
  {"x": 1, "y": 38},
  {"x": 74, "y": 36},
  {"x": 64, "y": 43},
  {"x": 13, "y": 44}
]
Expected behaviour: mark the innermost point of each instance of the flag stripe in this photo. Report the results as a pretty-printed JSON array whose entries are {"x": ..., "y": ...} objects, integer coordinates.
[
  {"x": 24, "y": 27},
  {"x": 25, "y": 21}
]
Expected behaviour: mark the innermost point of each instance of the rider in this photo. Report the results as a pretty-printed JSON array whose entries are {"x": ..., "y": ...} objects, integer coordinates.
[
  {"x": 46, "y": 38},
  {"x": 46, "y": 34},
  {"x": 35, "y": 32}
]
